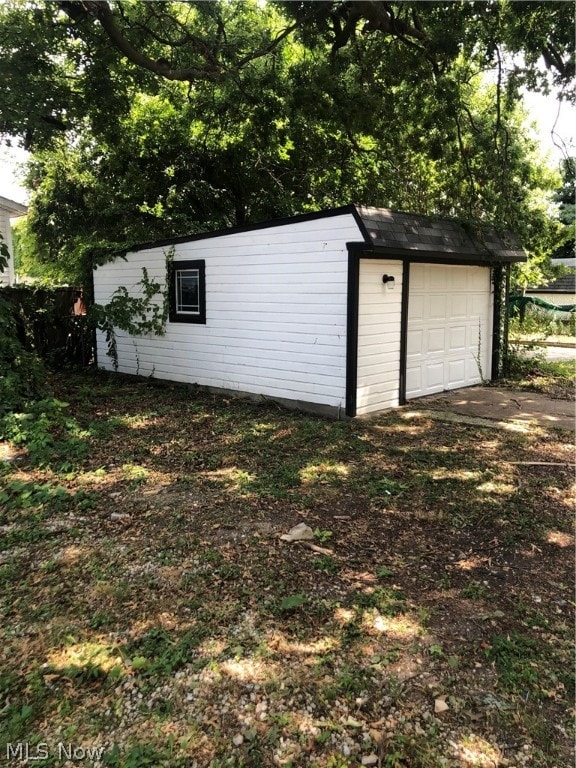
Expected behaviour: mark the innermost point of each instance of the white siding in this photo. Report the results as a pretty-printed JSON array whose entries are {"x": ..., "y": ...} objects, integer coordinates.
[
  {"x": 275, "y": 312},
  {"x": 379, "y": 312},
  {"x": 6, "y": 277}
]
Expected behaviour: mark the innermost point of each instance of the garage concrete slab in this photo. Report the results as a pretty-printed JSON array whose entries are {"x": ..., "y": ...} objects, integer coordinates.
[{"x": 503, "y": 405}]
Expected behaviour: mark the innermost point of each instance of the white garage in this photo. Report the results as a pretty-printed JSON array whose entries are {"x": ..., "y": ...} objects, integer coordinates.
[
  {"x": 347, "y": 311},
  {"x": 450, "y": 311}
]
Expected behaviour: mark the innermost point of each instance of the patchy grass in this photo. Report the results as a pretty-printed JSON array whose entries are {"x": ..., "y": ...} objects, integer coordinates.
[
  {"x": 529, "y": 370},
  {"x": 151, "y": 611},
  {"x": 541, "y": 325}
]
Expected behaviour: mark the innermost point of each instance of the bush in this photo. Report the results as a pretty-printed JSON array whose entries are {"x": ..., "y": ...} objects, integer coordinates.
[
  {"x": 21, "y": 372},
  {"x": 527, "y": 368},
  {"x": 46, "y": 323},
  {"x": 543, "y": 323}
]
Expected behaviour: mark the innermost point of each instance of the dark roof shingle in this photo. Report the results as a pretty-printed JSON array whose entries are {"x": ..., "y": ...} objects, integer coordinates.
[{"x": 395, "y": 230}]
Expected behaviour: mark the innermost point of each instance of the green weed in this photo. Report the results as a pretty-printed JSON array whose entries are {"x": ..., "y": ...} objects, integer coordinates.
[
  {"x": 524, "y": 665},
  {"x": 50, "y": 436},
  {"x": 389, "y": 602},
  {"x": 475, "y": 591},
  {"x": 327, "y": 564},
  {"x": 18, "y": 494},
  {"x": 158, "y": 652},
  {"x": 322, "y": 536},
  {"x": 291, "y": 602}
]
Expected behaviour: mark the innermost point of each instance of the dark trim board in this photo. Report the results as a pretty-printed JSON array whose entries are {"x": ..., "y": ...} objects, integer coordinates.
[
  {"x": 400, "y": 254},
  {"x": 504, "y": 367},
  {"x": 250, "y": 227},
  {"x": 352, "y": 332},
  {"x": 496, "y": 320},
  {"x": 404, "y": 331}
]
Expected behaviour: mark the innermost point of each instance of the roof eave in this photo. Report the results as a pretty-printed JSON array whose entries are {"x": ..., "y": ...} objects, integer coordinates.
[
  {"x": 13, "y": 208},
  {"x": 417, "y": 254}
]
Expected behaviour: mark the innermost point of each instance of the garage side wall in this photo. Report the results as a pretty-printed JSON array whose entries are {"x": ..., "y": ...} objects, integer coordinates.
[
  {"x": 275, "y": 313},
  {"x": 379, "y": 314}
]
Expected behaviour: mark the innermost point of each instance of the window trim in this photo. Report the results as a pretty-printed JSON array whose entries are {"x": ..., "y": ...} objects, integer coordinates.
[{"x": 186, "y": 317}]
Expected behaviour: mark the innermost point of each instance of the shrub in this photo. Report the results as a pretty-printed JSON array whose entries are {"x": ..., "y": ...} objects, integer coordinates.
[{"x": 21, "y": 372}]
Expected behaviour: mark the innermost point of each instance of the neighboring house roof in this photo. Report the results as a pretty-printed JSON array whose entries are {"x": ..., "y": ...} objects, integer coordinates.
[
  {"x": 565, "y": 284},
  {"x": 13, "y": 208},
  {"x": 396, "y": 232},
  {"x": 569, "y": 261}
]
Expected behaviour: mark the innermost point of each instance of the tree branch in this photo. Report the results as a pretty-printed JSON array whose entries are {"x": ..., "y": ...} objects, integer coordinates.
[
  {"x": 213, "y": 69},
  {"x": 464, "y": 155},
  {"x": 553, "y": 60},
  {"x": 100, "y": 10}
]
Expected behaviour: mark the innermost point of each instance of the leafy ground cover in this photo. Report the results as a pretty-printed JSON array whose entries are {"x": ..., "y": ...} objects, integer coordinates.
[
  {"x": 152, "y": 614},
  {"x": 529, "y": 370}
]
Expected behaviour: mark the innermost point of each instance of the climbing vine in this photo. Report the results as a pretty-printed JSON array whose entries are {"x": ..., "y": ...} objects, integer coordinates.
[
  {"x": 143, "y": 314},
  {"x": 4, "y": 255},
  {"x": 21, "y": 371}
]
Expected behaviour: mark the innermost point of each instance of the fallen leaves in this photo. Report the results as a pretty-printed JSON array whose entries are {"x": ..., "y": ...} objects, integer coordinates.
[{"x": 235, "y": 640}]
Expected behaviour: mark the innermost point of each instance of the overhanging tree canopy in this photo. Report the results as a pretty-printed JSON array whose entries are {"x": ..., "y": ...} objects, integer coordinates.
[
  {"x": 64, "y": 51},
  {"x": 164, "y": 118}
]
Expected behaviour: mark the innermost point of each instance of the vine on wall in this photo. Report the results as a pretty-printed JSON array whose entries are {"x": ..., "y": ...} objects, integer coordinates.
[{"x": 140, "y": 315}]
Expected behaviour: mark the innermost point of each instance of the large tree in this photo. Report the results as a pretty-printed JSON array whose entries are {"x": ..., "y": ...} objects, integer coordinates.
[
  {"x": 57, "y": 59},
  {"x": 566, "y": 199},
  {"x": 156, "y": 119}
]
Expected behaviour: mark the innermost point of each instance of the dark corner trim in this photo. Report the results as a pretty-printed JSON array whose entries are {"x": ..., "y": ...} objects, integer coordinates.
[
  {"x": 90, "y": 302},
  {"x": 496, "y": 321},
  {"x": 352, "y": 331},
  {"x": 504, "y": 368},
  {"x": 404, "y": 331}
]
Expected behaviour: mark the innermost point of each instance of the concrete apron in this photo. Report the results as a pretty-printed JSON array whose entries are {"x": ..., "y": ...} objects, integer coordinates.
[{"x": 494, "y": 407}]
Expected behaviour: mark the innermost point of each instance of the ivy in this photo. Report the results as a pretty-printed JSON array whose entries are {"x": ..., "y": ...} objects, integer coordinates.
[
  {"x": 21, "y": 372},
  {"x": 143, "y": 314},
  {"x": 4, "y": 255}
]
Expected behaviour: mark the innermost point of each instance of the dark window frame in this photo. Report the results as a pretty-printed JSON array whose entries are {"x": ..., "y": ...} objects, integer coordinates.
[{"x": 181, "y": 317}]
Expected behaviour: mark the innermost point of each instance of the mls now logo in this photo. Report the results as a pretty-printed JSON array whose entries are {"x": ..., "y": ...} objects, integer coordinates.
[{"x": 24, "y": 751}]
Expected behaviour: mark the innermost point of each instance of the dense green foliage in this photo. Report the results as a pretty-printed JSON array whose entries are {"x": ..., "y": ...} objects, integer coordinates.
[
  {"x": 567, "y": 208},
  {"x": 21, "y": 375},
  {"x": 155, "y": 119},
  {"x": 13, "y": 379},
  {"x": 539, "y": 269}
]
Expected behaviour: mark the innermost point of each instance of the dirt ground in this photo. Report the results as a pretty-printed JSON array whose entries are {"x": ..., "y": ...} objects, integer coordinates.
[{"x": 150, "y": 608}]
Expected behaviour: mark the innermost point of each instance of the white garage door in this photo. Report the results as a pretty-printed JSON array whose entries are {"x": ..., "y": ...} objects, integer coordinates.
[{"x": 449, "y": 328}]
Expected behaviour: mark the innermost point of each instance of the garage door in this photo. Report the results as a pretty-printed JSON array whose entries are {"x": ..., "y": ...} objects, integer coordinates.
[{"x": 449, "y": 328}]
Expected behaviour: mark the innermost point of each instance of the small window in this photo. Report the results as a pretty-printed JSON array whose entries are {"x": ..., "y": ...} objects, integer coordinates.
[{"x": 187, "y": 292}]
